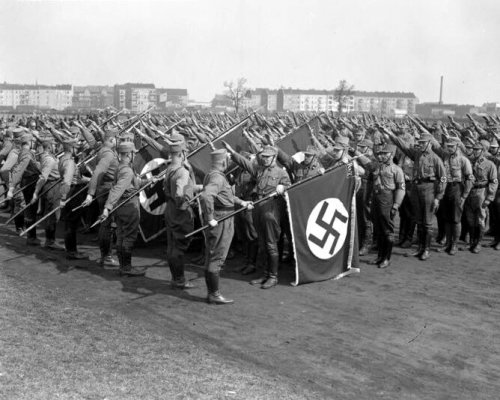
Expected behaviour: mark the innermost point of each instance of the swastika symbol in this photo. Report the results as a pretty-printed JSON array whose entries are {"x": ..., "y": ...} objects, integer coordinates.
[
  {"x": 327, "y": 228},
  {"x": 153, "y": 198}
]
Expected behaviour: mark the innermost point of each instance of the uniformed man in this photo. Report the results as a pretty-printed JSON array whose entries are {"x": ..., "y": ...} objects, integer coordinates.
[
  {"x": 99, "y": 186},
  {"x": 268, "y": 215},
  {"x": 309, "y": 166},
  {"x": 47, "y": 187},
  {"x": 179, "y": 217},
  {"x": 481, "y": 195},
  {"x": 217, "y": 201},
  {"x": 72, "y": 183},
  {"x": 25, "y": 174},
  {"x": 387, "y": 188},
  {"x": 459, "y": 181},
  {"x": 429, "y": 179},
  {"x": 17, "y": 203},
  {"x": 127, "y": 216},
  {"x": 495, "y": 204}
]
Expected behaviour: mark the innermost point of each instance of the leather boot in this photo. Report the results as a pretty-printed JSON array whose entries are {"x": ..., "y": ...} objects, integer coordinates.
[
  {"x": 455, "y": 234},
  {"x": 271, "y": 282},
  {"x": 420, "y": 248},
  {"x": 273, "y": 273},
  {"x": 427, "y": 236},
  {"x": 214, "y": 295},
  {"x": 387, "y": 254},
  {"x": 177, "y": 270},
  {"x": 260, "y": 281},
  {"x": 447, "y": 232},
  {"x": 381, "y": 252},
  {"x": 472, "y": 238},
  {"x": 127, "y": 269},
  {"x": 479, "y": 237}
]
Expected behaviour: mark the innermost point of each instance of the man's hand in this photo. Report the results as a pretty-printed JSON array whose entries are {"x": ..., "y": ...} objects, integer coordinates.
[
  {"x": 87, "y": 201},
  {"x": 280, "y": 189},
  {"x": 247, "y": 204},
  {"x": 393, "y": 212},
  {"x": 10, "y": 194},
  {"x": 485, "y": 204},
  {"x": 435, "y": 206},
  {"x": 213, "y": 223},
  {"x": 34, "y": 199},
  {"x": 62, "y": 203},
  {"x": 321, "y": 171},
  {"x": 462, "y": 202},
  {"x": 105, "y": 214}
]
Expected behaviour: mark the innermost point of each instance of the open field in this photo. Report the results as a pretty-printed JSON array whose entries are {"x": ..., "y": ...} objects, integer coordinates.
[{"x": 414, "y": 331}]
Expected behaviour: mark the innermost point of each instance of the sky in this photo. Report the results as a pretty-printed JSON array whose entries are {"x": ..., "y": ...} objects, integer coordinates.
[{"x": 376, "y": 45}]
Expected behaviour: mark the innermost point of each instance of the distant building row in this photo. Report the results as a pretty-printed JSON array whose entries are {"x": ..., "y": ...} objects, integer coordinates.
[
  {"x": 135, "y": 97},
  {"x": 381, "y": 103}
]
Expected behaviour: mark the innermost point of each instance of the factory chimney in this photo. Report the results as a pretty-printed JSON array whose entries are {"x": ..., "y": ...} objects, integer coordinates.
[{"x": 441, "y": 91}]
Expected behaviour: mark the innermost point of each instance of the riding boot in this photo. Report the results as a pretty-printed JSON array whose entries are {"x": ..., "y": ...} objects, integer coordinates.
[
  {"x": 387, "y": 254},
  {"x": 214, "y": 295},
  {"x": 127, "y": 268},
  {"x": 381, "y": 252},
  {"x": 273, "y": 273},
  {"x": 426, "y": 242},
  {"x": 479, "y": 236},
  {"x": 455, "y": 234},
  {"x": 420, "y": 240}
]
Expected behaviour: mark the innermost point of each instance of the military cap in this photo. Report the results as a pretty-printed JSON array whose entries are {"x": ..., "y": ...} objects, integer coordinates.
[
  {"x": 494, "y": 143},
  {"x": 111, "y": 133},
  {"x": 74, "y": 130},
  {"x": 218, "y": 155},
  {"x": 268, "y": 151},
  {"x": 126, "y": 147},
  {"x": 341, "y": 142},
  {"x": 453, "y": 140},
  {"x": 366, "y": 143},
  {"x": 177, "y": 137},
  {"x": 176, "y": 147},
  {"x": 310, "y": 150},
  {"x": 386, "y": 148},
  {"x": 18, "y": 132},
  {"x": 477, "y": 146},
  {"x": 485, "y": 144},
  {"x": 425, "y": 137}
]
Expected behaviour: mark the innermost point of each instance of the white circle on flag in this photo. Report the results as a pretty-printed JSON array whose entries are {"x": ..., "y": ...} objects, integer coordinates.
[
  {"x": 327, "y": 228},
  {"x": 146, "y": 201}
]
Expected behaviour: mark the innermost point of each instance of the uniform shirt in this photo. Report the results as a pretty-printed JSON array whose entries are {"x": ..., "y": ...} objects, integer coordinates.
[
  {"x": 6, "y": 148},
  {"x": 49, "y": 167},
  {"x": 10, "y": 161},
  {"x": 70, "y": 174},
  {"x": 266, "y": 178},
  {"x": 300, "y": 170},
  {"x": 486, "y": 175},
  {"x": 388, "y": 177},
  {"x": 26, "y": 167},
  {"x": 217, "y": 194},
  {"x": 125, "y": 184},
  {"x": 426, "y": 166},
  {"x": 105, "y": 170},
  {"x": 244, "y": 184},
  {"x": 178, "y": 186}
]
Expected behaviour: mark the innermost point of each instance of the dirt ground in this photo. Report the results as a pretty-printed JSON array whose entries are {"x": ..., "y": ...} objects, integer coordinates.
[{"x": 418, "y": 330}]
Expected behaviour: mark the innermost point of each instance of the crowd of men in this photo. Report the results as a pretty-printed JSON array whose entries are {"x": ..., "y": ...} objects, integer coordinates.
[{"x": 81, "y": 168}]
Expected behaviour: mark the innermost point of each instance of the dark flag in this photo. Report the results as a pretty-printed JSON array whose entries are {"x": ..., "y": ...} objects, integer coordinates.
[
  {"x": 152, "y": 199},
  {"x": 322, "y": 214},
  {"x": 296, "y": 141},
  {"x": 200, "y": 158}
]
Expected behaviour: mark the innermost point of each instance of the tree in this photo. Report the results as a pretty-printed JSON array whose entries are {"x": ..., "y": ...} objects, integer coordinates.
[
  {"x": 342, "y": 93},
  {"x": 236, "y": 92}
]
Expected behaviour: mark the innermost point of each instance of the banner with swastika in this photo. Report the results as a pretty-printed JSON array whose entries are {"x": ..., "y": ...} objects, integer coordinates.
[
  {"x": 148, "y": 162},
  {"x": 323, "y": 224}
]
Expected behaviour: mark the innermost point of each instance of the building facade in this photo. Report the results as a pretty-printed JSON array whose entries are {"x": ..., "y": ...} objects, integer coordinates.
[
  {"x": 92, "y": 97},
  {"x": 135, "y": 97},
  {"x": 172, "y": 98},
  {"x": 19, "y": 97}
]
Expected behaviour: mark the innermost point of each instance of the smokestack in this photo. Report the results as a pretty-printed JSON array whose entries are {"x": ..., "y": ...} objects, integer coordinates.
[{"x": 441, "y": 91}]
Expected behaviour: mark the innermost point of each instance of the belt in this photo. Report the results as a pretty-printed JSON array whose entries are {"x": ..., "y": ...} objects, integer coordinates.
[
  {"x": 423, "y": 180},
  {"x": 228, "y": 208},
  {"x": 481, "y": 186},
  {"x": 453, "y": 183}
]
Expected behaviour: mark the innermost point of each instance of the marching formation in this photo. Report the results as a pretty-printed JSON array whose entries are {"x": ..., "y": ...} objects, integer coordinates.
[{"x": 230, "y": 174}]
